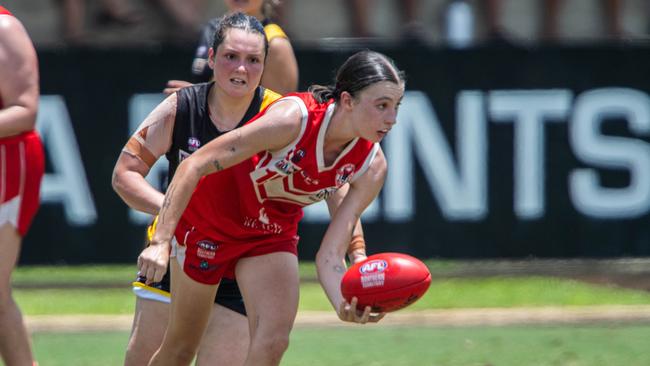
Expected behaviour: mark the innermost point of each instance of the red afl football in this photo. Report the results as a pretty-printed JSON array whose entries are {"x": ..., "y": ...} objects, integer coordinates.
[{"x": 386, "y": 281}]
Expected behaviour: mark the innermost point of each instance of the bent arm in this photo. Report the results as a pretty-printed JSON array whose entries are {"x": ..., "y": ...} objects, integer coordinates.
[
  {"x": 130, "y": 184},
  {"x": 150, "y": 141},
  {"x": 18, "y": 78},
  {"x": 330, "y": 259}
]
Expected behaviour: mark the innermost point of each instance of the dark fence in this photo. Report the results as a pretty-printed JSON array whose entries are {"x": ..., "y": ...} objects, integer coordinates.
[{"x": 499, "y": 152}]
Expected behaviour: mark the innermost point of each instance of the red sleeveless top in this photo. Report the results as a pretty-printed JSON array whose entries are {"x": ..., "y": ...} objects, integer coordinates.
[{"x": 260, "y": 200}]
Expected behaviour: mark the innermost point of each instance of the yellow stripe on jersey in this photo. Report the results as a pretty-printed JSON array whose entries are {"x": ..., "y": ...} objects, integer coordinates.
[
  {"x": 274, "y": 31},
  {"x": 152, "y": 289},
  {"x": 269, "y": 97}
]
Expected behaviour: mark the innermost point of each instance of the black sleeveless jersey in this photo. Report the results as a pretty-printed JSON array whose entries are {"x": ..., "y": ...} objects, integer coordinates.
[{"x": 193, "y": 127}]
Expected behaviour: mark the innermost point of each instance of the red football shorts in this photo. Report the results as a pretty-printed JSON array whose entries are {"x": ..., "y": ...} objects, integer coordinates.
[
  {"x": 22, "y": 165},
  {"x": 207, "y": 261}
]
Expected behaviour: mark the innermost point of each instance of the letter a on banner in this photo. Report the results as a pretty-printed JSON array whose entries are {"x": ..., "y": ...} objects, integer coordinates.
[{"x": 67, "y": 183}]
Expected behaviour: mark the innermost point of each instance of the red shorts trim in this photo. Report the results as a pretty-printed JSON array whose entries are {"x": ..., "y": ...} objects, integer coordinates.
[
  {"x": 22, "y": 165},
  {"x": 207, "y": 260}
]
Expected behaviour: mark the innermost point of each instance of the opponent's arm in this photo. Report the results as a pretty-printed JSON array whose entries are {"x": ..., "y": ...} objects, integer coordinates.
[
  {"x": 357, "y": 247},
  {"x": 330, "y": 259},
  {"x": 151, "y": 140},
  {"x": 18, "y": 78},
  {"x": 275, "y": 129}
]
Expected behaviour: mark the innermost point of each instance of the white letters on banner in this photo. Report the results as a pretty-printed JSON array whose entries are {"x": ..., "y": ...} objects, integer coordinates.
[
  {"x": 67, "y": 183},
  {"x": 456, "y": 173}
]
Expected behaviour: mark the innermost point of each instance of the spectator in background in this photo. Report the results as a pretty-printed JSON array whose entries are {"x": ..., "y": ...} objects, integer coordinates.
[
  {"x": 186, "y": 15},
  {"x": 281, "y": 69},
  {"x": 22, "y": 164},
  {"x": 112, "y": 11},
  {"x": 550, "y": 10},
  {"x": 359, "y": 11}
]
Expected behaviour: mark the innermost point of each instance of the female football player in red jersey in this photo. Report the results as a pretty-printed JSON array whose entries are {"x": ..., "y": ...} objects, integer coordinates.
[
  {"x": 21, "y": 166},
  {"x": 233, "y": 207}
]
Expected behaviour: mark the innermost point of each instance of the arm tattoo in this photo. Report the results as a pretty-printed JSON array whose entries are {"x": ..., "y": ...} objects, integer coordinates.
[
  {"x": 166, "y": 202},
  {"x": 217, "y": 165},
  {"x": 339, "y": 268}
]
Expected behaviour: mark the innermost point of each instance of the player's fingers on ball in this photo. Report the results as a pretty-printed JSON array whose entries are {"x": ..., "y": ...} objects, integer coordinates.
[
  {"x": 366, "y": 315},
  {"x": 354, "y": 302}
]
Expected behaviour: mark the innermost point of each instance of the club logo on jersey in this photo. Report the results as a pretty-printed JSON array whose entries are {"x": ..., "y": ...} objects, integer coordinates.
[
  {"x": 373, "y": 266},
  {"x": 193, "y": 144},
  {"x": 298, "y": 156},
  {"x": 285, "y": 166},
  {"x": 344, "y": 174},
  {"x": 206, "y": 249}
]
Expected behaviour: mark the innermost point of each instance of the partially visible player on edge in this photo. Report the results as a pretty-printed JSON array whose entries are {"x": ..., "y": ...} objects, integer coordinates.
[
  {"x": 234, "y": 206},
  {"x": 280, "y": 69},
  {"x": 21, "y": 167}
]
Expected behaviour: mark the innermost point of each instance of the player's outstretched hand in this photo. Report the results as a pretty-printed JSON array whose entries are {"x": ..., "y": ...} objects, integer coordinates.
[
  {"x": 152, "y": 262},
  {"x": 174, "y": 85},
  {"x": 349, "y": 313}
]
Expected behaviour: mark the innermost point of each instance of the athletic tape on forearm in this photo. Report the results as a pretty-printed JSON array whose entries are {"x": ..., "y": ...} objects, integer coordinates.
[{"x": 356, "y": 243}]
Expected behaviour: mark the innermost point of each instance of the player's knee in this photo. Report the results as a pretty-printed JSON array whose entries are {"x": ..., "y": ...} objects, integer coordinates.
[{"x": 274, "y": 345}]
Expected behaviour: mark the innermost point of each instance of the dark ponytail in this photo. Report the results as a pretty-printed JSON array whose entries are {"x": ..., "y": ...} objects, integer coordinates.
[
  {"x": 323, "y": 93},
  {"x": 358, "y": 72}
]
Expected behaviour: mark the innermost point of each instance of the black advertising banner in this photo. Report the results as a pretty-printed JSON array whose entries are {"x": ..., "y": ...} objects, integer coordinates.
[{"x": 498, "y": 152}]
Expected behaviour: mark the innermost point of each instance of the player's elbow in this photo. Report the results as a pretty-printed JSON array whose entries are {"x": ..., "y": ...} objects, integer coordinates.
[{"x": 117, "y": 181}]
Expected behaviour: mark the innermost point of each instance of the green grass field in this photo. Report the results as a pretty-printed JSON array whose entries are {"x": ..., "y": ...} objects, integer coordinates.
[
  {"x": 395, "y": 346},
  {"x": 92, "y": 290}
]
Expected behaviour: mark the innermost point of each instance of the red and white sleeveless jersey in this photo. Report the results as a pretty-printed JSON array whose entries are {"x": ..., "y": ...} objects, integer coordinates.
[{"x": 261, "y": 199}]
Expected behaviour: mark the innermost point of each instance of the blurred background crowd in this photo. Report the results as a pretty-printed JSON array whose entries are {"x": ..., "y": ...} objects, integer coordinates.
[{"x": 458, "y": 23}]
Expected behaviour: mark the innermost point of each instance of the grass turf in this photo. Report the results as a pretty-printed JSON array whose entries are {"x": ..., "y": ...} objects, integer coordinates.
[
  {"x": 397, "y": 346},
  {"x": 443, "y": 294}
]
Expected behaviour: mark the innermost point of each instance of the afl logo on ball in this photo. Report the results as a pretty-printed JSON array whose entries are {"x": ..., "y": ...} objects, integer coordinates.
[{"x": 374, "y": 266}]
